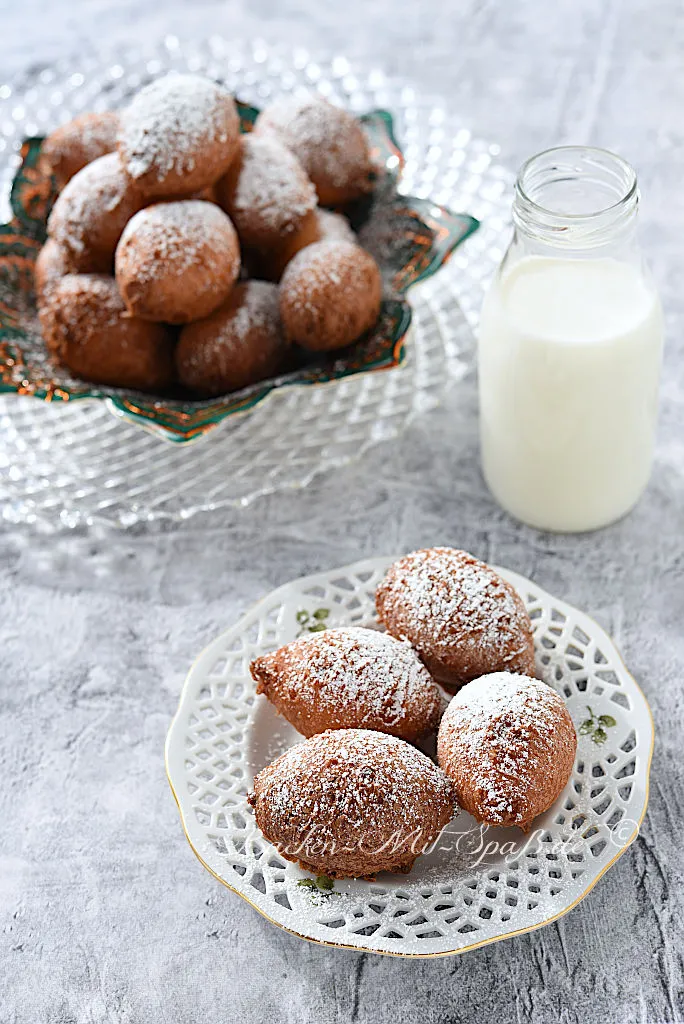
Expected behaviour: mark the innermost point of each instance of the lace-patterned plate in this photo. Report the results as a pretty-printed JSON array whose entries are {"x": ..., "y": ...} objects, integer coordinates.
[
  {"x": 476, "y": 885},
  {"x": 74, "y": 463}
]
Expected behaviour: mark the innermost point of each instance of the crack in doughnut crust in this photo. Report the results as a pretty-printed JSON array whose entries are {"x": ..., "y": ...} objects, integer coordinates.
[
  {"x": 350, "y": 678},
  {"x": 508, "y": 744},
  {"x": 463, "y": 619},
  {"x": 351, "y": 802}
]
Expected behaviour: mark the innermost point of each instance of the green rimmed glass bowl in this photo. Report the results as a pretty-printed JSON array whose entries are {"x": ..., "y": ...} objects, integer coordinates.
[
  {"x": 410, "y": 237},
  {"x": 73, "y": 463}
]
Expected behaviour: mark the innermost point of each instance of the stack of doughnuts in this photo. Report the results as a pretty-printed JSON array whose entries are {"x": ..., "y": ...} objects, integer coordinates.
[
  {"x": 181, "y": 252},
  {"x": 357, "y": 797}
]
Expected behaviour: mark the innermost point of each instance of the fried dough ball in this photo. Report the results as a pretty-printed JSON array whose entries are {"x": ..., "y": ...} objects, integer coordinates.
[
  {"x": 177, "y": 262},
  {"x": 508, "y": 744},
  {"x": 90, "y": 214},
  {"x": 329, "y": 143},
  {"x": 266, "y": 193},
  {"x": 52, "y": 265},
  {"x": 318, "y": 226},
  {"x": 330, "y": 295},
  {"x": 241, "y": 343},
  {"x": 73, "y": 145},
  {"x": 350, "y": 679},
  {"x": 178, "y": 135},
  {"x": 87, "y": 328},
  {"x": 351, "y": 803},
  {"x": 463, "y": 619}
]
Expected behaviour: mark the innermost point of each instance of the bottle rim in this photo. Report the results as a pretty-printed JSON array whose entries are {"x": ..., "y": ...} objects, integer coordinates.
[{"x": 629, "y": 194}]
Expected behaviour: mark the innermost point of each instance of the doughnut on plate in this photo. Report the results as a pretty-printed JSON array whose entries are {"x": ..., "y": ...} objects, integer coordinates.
[{"x": 474, "y": 886}]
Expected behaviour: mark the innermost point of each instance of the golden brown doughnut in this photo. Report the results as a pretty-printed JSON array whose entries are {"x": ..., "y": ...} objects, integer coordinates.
[
  {"x": 241, "y": 343},
  {"x": 266, "y": 193},
  {"x": 178, "y": 135},
  {"x": 177, "y": 262},
  {"x": 329, "y": 143},
  {"x": 463, "y": 619},
  {"x": 508, "y": 744},
  {"x": 350, "y": 679},
  {"x": 318, "y": 226},
  {"x": 351, "y": 803},
  {"x": 88, "y": 329},
  {"x": 330, "y": 294},
  {"x": 52, "y": 264},
  {"x": 73, "y": 145},
  {"x": 90, "y": 214}
]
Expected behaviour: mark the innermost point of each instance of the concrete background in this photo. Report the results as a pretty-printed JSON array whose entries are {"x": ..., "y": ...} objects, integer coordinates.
[{"x": 105, "y": 915}]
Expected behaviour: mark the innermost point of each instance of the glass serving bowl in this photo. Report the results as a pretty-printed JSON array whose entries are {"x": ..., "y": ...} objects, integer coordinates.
[{"x": 80, "y": 462}]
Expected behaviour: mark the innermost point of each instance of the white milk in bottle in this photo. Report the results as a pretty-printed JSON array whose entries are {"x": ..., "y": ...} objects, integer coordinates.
[{"x": 570, "y": 346}]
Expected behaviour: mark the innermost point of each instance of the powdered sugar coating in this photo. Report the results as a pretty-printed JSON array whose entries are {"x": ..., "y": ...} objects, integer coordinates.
[
  {"x": 462, "y": 617},
  {"x": 350, "y": 678},
  {"x": 328, "y": 141},
  {"x": 266, "y": 193},
  {"x": 239, "y": 344},
  {"x": 78, "y": 142},
  {"x": 177, "y": 261},
  {"x": 330, "y": 294},
  {"x": 179, "y": 134},
  {"x": 352, "y": 802},
  {"x": 508, "y": 743},
  {"x": 90, "y": 214}
]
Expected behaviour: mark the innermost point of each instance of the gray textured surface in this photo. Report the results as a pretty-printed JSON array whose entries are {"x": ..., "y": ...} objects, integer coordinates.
[{"x": 105, "y": 913}]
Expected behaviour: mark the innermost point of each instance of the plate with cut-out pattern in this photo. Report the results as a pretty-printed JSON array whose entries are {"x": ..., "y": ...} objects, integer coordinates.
[{"x": 476, "y": 884}]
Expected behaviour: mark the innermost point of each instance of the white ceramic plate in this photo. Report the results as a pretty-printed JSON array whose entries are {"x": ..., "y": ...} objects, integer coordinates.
[{"x": 476, "y": 885}]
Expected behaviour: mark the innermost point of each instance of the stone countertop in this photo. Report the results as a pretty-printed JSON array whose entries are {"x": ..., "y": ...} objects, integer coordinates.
[{"x": 105, "y": 913}]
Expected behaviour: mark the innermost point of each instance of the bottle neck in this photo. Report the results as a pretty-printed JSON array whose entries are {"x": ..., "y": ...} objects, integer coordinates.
[{"x": 576, "y": 201}]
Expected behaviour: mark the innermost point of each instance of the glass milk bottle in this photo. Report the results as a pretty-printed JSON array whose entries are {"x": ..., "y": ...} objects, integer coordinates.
[{"x": 570, "y": 346}]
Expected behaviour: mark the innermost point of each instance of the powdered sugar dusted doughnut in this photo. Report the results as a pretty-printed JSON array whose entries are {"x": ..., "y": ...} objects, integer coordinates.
[
  {"x": 241, "y": 343},
  {"x": 265, "y": 193},
  {"x": 351, "y": 803},
  {"x": 508, "y": 744},
  {"x": 330, "y": 294},
  {"x": 52, "y": 265},
  {"x": 462, "y": 617},
  {"x": 176, "y": 262},
  {"x": 178, "y": 135},
  {"x": 318, "y": 226},
  {"x": 73, "y": 145},
  {"x": 90, "y": 214},
  {"x": 87, "y": 328},
  {"x": 350, "y": 679},
  {"x": 329, "y": 143}
]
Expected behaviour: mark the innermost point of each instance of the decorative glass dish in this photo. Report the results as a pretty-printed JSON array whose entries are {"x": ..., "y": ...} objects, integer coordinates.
[
  {"x": 476, "y": 884},
  {"x": 72, "y": 462}
]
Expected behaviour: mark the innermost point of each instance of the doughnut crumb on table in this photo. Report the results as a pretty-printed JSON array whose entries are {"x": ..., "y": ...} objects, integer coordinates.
[
  {"x": 171, "y": 199},
  {"x": 463, "y": 618},
  {"x": 352, "y": 802},
  {"x": 508, "y": 744},
  {"x": 350, "y": 678}
]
